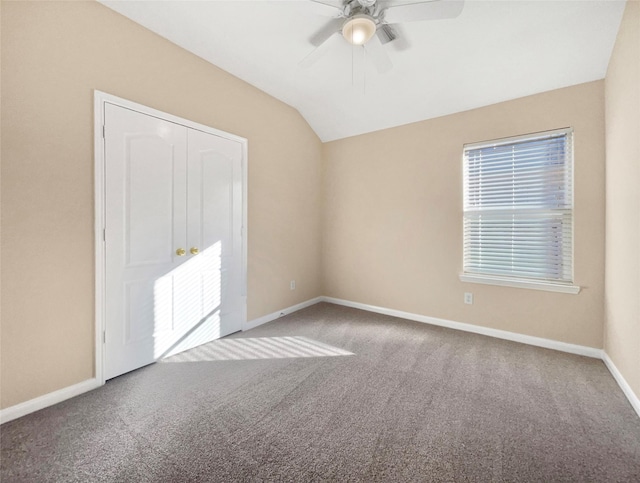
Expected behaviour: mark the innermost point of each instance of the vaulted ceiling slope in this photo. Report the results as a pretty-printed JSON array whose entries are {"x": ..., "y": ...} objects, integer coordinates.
[{"x": 492, "y": 52}]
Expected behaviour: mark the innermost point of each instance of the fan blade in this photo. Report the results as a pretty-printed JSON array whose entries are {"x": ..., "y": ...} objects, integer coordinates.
[
  {"x": 378, "y": 55},
  {"x": 325, "y": 32},
  {"x": 386, "y": 33},
  {"x": 395, "y": 35},
  {"x": 316, "y": 54},
  {"x": 324, "y": 8},
  {"x": 430, "y": 10}
]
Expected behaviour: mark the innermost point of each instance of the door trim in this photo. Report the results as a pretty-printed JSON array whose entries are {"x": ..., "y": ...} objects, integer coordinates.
[{"x": 100, "y": 99}]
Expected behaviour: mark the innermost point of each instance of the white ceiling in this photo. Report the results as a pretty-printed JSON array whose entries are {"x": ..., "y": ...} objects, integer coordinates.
[{"x": 494, "y": 51}]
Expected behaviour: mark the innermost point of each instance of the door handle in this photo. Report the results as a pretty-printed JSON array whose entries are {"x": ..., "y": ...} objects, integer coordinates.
[
  {"x": 181, "y": 252},
  {"x": 194, "y": 250}
]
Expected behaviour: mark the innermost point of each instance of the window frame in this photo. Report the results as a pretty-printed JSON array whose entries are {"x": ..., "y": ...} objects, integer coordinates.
[{"x": 514, "y": 281}]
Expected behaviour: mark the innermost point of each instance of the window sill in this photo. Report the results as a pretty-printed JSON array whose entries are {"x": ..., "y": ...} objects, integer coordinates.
[{"x": 519, "y": 283}]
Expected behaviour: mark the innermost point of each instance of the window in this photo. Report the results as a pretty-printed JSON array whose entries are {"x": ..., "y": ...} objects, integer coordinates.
[{"x": 518, "y": 211}]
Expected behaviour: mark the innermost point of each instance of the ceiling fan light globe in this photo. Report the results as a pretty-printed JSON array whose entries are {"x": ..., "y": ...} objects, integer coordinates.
[{"x": 359, "y": 29}]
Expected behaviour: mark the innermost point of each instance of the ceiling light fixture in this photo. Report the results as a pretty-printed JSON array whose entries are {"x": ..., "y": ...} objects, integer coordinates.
[{"x": 359, "y": 29}]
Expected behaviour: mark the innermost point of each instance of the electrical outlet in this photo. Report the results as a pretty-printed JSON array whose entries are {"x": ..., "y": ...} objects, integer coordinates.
[
  {"x": 292, "y": 285},
  {"x": 468, "y": 298}
]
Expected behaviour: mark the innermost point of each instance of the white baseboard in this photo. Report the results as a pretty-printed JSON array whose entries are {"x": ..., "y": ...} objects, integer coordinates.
[
  {"x": 60, "y": 395},
  {"x": 626, "y": 388},
  {"x": 476, "y": 329},
  {"x": 503, "y": 334},
  {"x": 274, "y": 315},
  {"x": 55, "y": 397}
]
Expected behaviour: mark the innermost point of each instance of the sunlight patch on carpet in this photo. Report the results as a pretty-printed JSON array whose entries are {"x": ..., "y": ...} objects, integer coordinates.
[{"x": 258, "y": 348}]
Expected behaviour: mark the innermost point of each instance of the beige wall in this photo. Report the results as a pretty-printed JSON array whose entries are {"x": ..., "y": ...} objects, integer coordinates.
[
  {"x": 393, "y": 218},
  {"x": 622, "y": 282},
  {"x": 389, "y": 203},
  {"x": 53, "y": 55}
]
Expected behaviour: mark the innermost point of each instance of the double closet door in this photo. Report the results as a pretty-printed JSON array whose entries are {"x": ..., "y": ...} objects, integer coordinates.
[{"x": 173, "y": 224}]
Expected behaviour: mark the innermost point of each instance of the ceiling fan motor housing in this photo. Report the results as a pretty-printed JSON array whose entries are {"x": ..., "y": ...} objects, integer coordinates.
[{"x": 356, "y": 7}]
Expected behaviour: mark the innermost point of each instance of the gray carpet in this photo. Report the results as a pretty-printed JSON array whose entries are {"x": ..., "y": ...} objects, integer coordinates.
[{"x": 337, "y": 394}]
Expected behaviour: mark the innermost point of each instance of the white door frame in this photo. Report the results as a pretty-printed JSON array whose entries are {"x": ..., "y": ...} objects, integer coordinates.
[{"x": 100, "y": 99}]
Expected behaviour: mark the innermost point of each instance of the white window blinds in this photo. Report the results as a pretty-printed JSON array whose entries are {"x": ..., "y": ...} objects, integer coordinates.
[{"x": 518, "y": 207}]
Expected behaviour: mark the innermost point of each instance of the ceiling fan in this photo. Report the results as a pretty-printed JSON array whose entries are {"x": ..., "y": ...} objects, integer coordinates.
[{"x": 373, "y": 23}]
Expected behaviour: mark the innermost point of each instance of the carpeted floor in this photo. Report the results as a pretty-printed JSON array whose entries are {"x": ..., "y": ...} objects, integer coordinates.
[{"x": 337, "y": 394}]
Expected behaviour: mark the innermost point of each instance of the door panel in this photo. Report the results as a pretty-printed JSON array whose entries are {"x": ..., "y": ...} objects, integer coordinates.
[
  {"x": 187, "y": 294},
  {"x": 140, "y": 315},
  {"x": 149, "y": 199},
  {"x": 217, "y": 200},
  {"x": 212, "y": 275}
]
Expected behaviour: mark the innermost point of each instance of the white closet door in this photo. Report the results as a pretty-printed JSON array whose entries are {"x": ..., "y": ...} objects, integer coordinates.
[
  {"x": 168, "y": 188},
  {"x": 146, "y": 220},
  {"x": 214, "y": 229}
]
